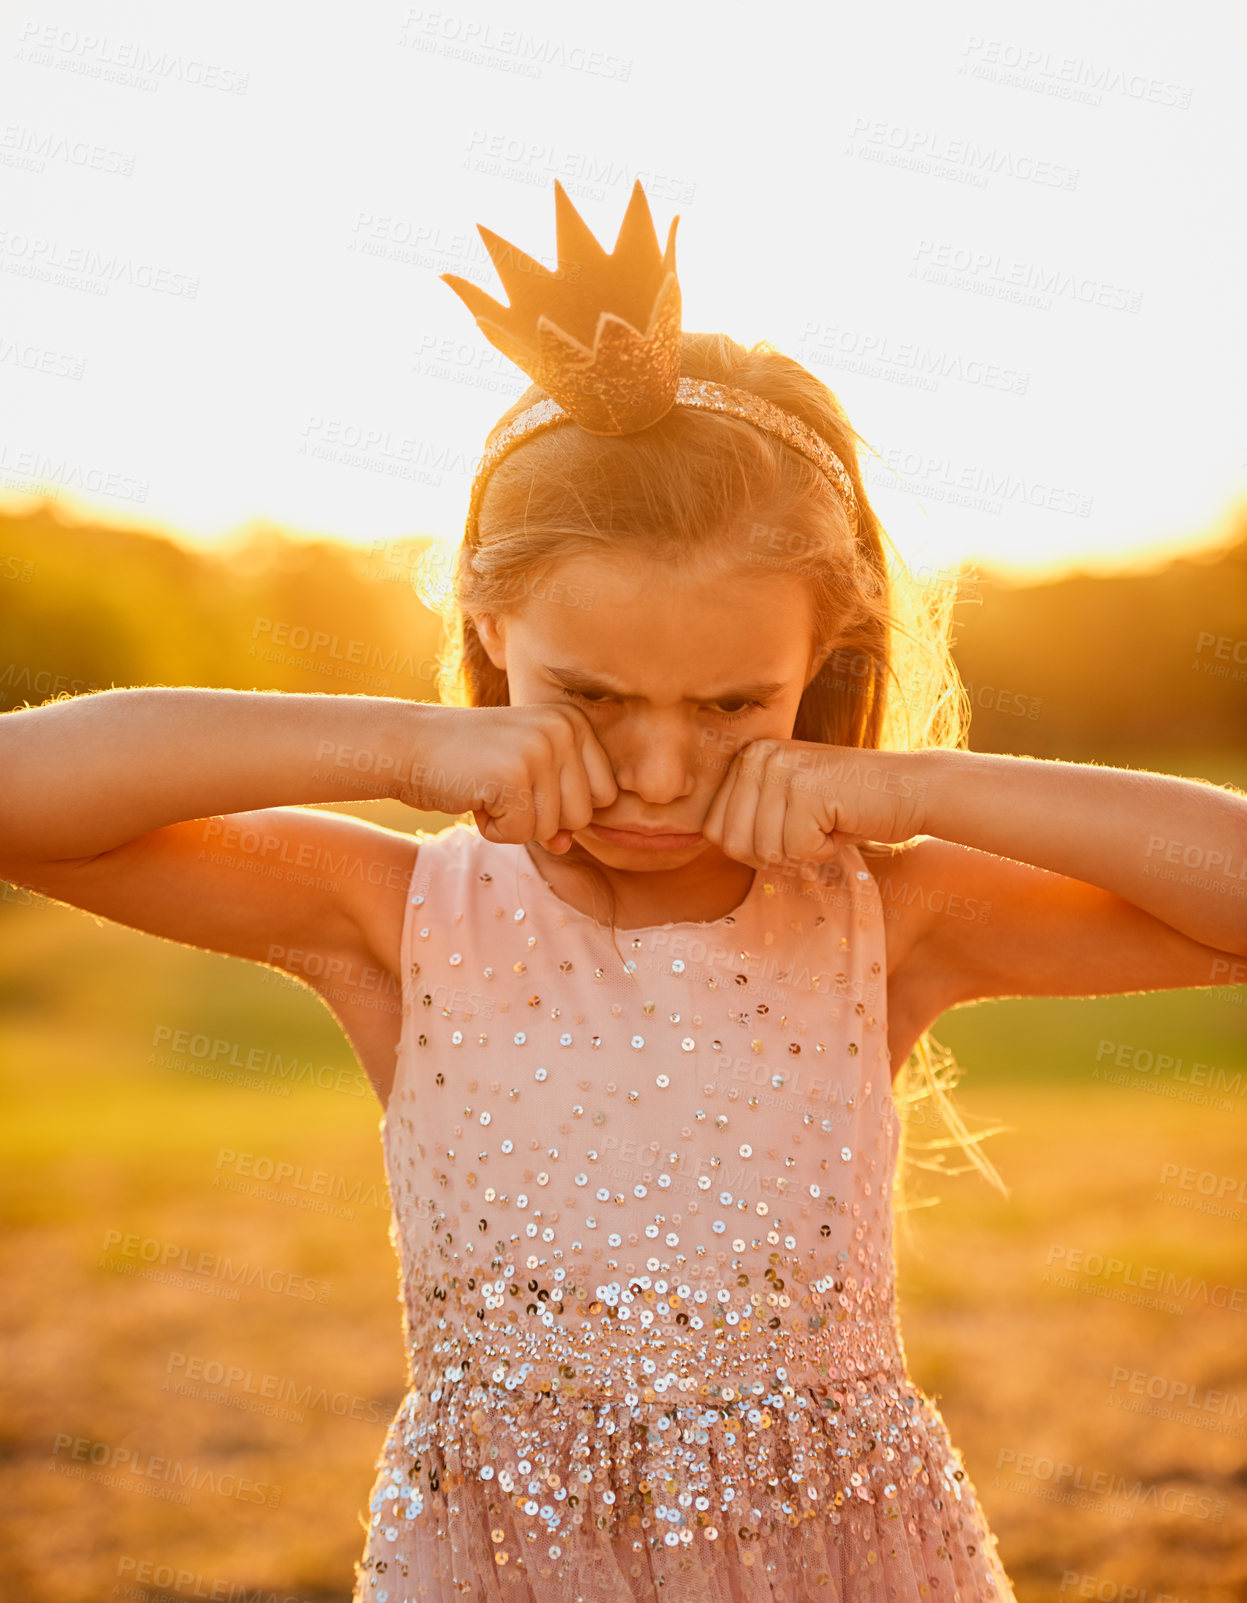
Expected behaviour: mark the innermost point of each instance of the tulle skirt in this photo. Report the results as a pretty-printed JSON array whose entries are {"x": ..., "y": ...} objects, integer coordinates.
[{"x": 853, "y": 1494}]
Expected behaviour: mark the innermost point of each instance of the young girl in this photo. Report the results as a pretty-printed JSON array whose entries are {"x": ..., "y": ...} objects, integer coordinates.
[{"x": 639, "y": 1117}]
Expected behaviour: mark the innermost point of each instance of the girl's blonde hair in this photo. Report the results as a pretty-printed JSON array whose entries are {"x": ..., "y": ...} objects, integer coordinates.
[{"x": 712, "y": 496}]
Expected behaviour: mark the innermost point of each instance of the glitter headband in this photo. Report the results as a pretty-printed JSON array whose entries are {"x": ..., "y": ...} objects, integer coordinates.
[{"x": 615, "y": 371}]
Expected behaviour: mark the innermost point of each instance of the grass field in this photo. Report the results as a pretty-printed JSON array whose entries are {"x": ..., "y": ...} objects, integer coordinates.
[{"x": 1032, "y": 1366}]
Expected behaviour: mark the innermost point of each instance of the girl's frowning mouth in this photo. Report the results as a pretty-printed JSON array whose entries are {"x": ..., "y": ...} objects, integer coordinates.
[{"x": 650, "y": 839}]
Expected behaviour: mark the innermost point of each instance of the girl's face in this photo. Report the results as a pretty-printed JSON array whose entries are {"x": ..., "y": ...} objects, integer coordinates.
[{"x": 674, "y": 673}]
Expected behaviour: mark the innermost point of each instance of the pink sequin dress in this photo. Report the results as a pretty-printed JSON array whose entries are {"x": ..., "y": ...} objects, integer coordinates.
[{"x": 642, "y": 1208}]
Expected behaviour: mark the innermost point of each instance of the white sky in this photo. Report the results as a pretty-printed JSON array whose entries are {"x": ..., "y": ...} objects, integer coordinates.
[{"x": 866, "y": 185}]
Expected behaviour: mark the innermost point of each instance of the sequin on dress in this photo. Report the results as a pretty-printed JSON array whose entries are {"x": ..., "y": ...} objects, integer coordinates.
[{"x": 642, "y": 1209}]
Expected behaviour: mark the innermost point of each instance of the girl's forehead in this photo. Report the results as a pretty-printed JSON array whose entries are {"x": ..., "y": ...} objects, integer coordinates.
[
  {"x": 595, "y": 618},
  {"x": 614, "y": 584}
]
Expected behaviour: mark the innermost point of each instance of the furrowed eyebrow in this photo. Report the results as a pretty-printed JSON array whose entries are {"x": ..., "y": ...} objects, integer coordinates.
[{"x": 594, "y": 685}]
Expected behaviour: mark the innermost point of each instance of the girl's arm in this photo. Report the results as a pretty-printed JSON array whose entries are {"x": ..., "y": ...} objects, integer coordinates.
[
  {"x": 164, "y": 809},
  {"x": 1177, "y": 848},
  {"x": 175, "y": 810},
  {"x": 1008, "y": 876},
  {"x": 1042, "y": 878},
  {"x": 85, "y": 775}
]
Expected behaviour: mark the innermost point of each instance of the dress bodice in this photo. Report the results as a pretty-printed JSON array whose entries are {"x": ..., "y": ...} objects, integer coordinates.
[{"x": 675, "y": 1163}]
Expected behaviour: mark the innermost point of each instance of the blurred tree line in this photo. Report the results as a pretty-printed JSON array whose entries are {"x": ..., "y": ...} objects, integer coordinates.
[{"x": 1136, "y": 669}]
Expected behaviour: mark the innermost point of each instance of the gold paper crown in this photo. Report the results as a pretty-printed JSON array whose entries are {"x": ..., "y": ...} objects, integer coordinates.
[{"x": 601, "y": 336}]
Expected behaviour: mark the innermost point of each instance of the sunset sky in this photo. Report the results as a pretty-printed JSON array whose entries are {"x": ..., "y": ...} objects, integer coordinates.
[{"x": 1009, "y": 239}]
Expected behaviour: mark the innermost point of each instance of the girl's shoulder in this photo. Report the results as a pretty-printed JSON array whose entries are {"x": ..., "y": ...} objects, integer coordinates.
[
  {"x": 447, "y": 852},
  {"x": 450, "y": 838}
]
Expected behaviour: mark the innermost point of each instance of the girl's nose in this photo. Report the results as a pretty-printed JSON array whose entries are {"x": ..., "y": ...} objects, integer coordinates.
[{"x": 656, "y": 756}]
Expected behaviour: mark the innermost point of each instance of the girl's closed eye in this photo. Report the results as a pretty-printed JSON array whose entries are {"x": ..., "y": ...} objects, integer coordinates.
[
  {"x": 747, "y": 707},
  {"x": 600, "y": 701}
]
